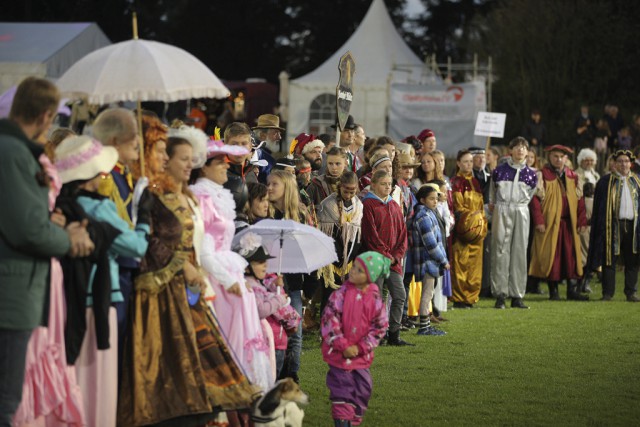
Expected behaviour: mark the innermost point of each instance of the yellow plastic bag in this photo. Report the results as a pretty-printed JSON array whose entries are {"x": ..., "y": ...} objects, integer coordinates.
[{"x": 415, "y": 293}]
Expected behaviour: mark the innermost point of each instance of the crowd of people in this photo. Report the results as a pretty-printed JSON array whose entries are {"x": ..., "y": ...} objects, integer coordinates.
[{"x": 126, "y": 300}]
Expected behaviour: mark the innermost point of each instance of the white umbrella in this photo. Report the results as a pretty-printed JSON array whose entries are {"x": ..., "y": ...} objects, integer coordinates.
[
  {"x": 140, "y": 70},
  {"x": 298, "y": 248}
]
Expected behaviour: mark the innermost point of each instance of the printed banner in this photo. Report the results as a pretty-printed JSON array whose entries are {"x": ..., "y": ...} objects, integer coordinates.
[{"x": 449, "y": 110}]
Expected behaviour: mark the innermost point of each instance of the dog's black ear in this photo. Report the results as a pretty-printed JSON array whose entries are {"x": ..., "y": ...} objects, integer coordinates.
[{"x": 271, "y": 400}]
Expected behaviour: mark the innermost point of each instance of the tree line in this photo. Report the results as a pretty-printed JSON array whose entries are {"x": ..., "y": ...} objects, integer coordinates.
[{"x": 551, "y": 55}]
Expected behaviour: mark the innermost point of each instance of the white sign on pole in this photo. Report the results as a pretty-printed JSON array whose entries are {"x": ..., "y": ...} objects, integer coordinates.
[{"x": 490, "y": 124}]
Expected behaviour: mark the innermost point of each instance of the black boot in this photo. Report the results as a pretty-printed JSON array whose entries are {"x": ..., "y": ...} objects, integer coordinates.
[
  {"x": 533, "y": 286},
  {"x": 584, "y": 284},
  {"x": 573, "y": 293},
  {"x": 554, "y": 295},
  {"x": 395, "y": 340}
]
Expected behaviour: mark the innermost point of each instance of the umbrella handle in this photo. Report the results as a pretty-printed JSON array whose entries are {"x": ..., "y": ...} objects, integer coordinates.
[
  {"x": 139, "y": 116},
  {"x": 280, "y": 257}
]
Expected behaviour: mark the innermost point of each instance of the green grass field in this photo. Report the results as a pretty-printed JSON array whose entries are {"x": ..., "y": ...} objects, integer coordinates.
[{"x": 559, "y": 363}]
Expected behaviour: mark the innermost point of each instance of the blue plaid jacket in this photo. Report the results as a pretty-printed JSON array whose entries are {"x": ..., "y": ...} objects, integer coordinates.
[{"x": 429, "y": 256}]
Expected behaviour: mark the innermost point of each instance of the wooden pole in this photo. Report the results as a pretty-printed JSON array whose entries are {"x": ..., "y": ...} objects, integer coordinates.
[{"x": 138, "y": 104}]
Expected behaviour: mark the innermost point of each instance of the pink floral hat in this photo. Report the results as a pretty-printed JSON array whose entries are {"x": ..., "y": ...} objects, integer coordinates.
[
  {"x": 219, "y": 148},
  {"x": 80, "y": 158}
]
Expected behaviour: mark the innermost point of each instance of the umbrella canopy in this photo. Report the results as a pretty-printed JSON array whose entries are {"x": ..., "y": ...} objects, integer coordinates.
[
  {"x": 140, "y": 70},
  {"x": 298, "y": 248}
]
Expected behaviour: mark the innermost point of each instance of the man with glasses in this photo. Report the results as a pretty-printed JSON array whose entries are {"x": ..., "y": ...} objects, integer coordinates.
[{"x": 614, "y": 227}]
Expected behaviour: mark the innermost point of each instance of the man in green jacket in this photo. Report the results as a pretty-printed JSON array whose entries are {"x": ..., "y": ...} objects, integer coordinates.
[{"x": 28, "y": 238}]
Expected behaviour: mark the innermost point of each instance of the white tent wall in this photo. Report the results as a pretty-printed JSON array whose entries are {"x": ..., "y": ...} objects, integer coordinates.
[
  {"x": 369, "y": 107},
  {"x": 44, "y": 49},
  {"x": 12, "y": 73},
  {"x": 378, "y": 49}
]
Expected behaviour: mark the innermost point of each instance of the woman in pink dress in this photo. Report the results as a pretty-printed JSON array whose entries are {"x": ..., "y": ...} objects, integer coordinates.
[
  {"x": 235, "y": 302},
  {"x": 50, "y": 395}
]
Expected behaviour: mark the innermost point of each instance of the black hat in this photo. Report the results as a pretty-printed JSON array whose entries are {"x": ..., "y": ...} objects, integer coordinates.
[
  {"x": 627, "y": 153},
  {"x": 258, "y": 254},
  {"x": 476, "y": 150},
  {"x": 351, "y": 124},
  {"x": 284, "y": 162}
]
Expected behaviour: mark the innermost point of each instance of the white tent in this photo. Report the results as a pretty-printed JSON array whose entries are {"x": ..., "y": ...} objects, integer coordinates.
[
  {"x": 378, "y": 49},
  {"x": 44, "y": 49}
]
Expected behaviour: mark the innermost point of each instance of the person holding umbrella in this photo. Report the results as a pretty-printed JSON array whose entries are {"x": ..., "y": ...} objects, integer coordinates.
[
  {"x": 177, "y": 365},
  {"x": 235, "y": 302}
]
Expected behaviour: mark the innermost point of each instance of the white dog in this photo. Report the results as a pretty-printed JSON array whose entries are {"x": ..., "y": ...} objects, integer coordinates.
[{"x": 278, "y": 407}]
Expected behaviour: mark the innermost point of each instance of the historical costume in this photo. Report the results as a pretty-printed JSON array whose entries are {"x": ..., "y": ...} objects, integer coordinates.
[
  {"x": 558, "y": 206},
  {"x": 118, "y": 186},
  {"x": 512, "y": 187},
  {"x": 614, "y": 229},
  {"x": 237, "y": 315},
  {"x": 466, "y": 253},
  {"x": 341, "y": 220},
  {"x": 588, "y": 177},
  {"x": 177, "y": 366}
]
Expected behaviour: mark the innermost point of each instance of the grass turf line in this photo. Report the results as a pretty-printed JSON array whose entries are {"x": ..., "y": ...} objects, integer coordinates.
[{"x": 560, "y": 363}]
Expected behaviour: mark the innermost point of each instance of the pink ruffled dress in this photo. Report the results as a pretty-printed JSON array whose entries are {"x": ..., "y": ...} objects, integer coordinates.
[
  {"x": 50, "y": 395},
  {"x": 237, "y": 315}
]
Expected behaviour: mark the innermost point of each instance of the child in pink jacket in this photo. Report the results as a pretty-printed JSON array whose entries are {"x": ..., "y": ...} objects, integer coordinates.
[
  {"x": 353, "y": 323},
  {"x": 274, "y": 309}
]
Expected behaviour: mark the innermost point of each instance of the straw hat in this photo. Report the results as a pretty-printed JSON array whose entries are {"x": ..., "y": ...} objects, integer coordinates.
[
  {"x": 405, "y": 160},
  {"x": 268, "y": 121},
  {"x": 81, "y": 158}
]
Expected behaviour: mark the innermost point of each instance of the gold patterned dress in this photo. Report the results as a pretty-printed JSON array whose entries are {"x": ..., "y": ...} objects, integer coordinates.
[
  {"x": 466, "y": 263},
  {"x": 177, "y": 368}
]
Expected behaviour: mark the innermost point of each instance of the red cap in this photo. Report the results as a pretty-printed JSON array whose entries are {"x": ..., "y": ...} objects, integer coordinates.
[
  {"x": 559, "y": 147},
  {"x": 426, "y": 133}
]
